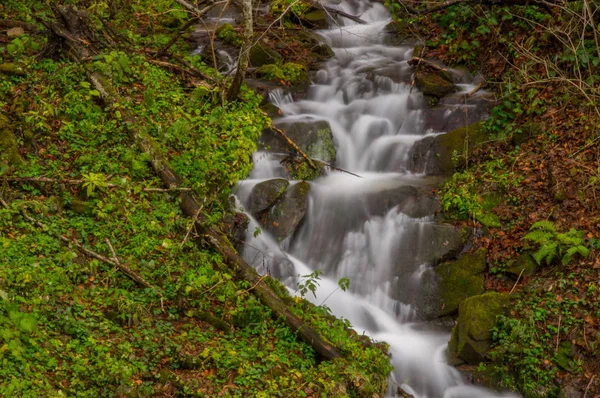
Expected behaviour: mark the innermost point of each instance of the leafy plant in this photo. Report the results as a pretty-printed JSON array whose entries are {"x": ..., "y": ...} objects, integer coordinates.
[
  {"x": 553, "y": 244},
  {"x": 93, "y": 182},
  {"x": 310, "y": 283}
]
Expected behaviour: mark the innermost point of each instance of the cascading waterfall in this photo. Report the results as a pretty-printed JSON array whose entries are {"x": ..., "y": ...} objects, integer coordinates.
[{"x": 364, "y": 93}]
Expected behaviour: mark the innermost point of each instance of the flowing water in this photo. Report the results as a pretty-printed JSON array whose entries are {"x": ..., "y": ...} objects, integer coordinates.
[{"x": 349, "y": 230}]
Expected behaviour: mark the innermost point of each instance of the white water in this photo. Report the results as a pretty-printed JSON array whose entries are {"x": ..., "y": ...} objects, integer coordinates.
[{"x": 348, "y": 231}]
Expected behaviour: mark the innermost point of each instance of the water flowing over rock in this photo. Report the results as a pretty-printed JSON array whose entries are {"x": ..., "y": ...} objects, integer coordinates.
[
  {"x": 373, "y": 222},
  {"x": 265, "y": 194},
  {"x": 436, "y": 84}
]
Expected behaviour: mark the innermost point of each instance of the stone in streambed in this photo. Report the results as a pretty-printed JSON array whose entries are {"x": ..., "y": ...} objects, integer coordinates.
[
  {"x": 445, "y": 153},
  {"x": 261, "y": 55},
  {"x": 436, "y": 84},
  {"x": 265, "y": 194},
  {"x": 471, "y": 336},
  {"x": 286, "y": 215},
  {"x": 315, "y": 18},
  {"x": 446, "y": 286}
]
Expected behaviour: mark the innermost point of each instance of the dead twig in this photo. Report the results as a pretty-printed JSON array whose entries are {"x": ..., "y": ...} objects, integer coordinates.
[
  {"x": 518, "y": 279},
  {"x": 181, "y": 31}
]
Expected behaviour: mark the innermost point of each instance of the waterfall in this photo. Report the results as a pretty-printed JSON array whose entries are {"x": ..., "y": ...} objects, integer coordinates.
[{"x": 364, "y": 93}]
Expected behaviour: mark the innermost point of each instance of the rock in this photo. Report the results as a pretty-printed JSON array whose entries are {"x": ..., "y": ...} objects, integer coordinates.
[
  {"x": 9, "y": 151},
  {"x": 271, "y": 110},
  {"x": 313, "y": 137},
  {"x": 284, "y": 218},
  {"x": 316, "y": 19},
  {"x": 396, "y": 34},
  {"x": 446, "y": 286},
  {"x": 81, "y": 207},
  {"x": 565, "y": 355},
  {"x": 570, "y": 391},
  {"x": 527, "y": 131},
  {"x": 319, "y": 50},
  {"x": 435, "y": 155},
  {"x": 472, "y": 337},
  {"x": 236, "y": 226},
  {"x": 526, "y": 263},
  {"x": 265, "y": 194},
  {"x": 436, "y": 84},
  {"x": 14, "y": 32},
  {"x": 11, "y": 69},
  {"x": 261, "y": 55}
]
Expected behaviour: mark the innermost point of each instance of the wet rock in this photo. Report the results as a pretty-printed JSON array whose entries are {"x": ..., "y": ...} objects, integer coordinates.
[
  {"x": 271, "y": 110},
  {"x": 9, "y": 151},
  {"x": 284, "y": 218},
  {"x": 316, "y": 19},
  {"x": 445, "y": 153},
  {"x": 261, "y": 55},
  {"x": 265, "y": 194},
  {"x": 421, "y": 205},
  {"x": 446, "y": 286},
  {"x": 396, "y": 33},
  {"x": 436, "y": 84},
  {"x": 526, "y": 132},
  {"x": 525, "y": 263},
  {"x": 472, "y": 337}
]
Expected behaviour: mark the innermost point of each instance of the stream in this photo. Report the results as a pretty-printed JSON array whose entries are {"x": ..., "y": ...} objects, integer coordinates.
[{"x": 364, "y": 93}]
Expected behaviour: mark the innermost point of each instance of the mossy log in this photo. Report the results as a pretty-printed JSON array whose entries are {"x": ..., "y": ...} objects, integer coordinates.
[{"x": 211, "y": 234}]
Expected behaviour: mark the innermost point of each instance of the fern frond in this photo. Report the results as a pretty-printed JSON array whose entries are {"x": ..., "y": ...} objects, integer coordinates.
[
  {"x": 546, "y": 253},
  {"x": 543, "y": 225},
  {"x": 539, "y": 237}
]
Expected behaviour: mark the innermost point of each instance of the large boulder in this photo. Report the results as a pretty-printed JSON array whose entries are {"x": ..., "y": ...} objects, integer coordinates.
[
  {"x": 261, "y": 55},
  {"x": 286, "y": 215},
  {"x": 436, "y": 84},
  {"x": 315, "y": 18},
  {"x": 446, "y": 286},
  {"x": 445, "y": 153},
  {"x": 265, "y": 194},
  {"x": 471, "y": 336}
]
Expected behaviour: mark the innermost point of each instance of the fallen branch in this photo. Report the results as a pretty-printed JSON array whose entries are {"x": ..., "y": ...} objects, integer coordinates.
[
  {"x": 126, "y": 270},
  {"x": 181, "y": 31},
  {"x": 417, "y": 61},
  {"x": 476, "y": 89},
  {"x": 79, "y": 182},
  {"x": 9, "y": 24},
  {"x": 211, "y": 234},
  {"x": 341, "y": 13},
  {"x": 294, "y": 145},
  {"x": 336, "y": 168}
]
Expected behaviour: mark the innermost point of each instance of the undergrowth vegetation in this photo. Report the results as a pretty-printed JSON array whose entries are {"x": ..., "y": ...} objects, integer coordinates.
[{"x": 74, "y": 323}]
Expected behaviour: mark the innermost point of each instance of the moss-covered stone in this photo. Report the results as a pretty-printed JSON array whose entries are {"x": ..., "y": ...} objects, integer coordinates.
[
  {"x": 525, "y": 263},
  {"x": 228, "y": 35},
  {"x": 471, "y": 336},
  {"x": 81, "y": 207},
  {"x": 261, "y": 55},
  {"x": 565, "y": 355},
  {"x": 445, "y": 287},
  {"x": 315, "y": 19},
  {"x": 445, "y": 153},
  {"x": 265, "y": 194},
  {"x": 436, "y": 84},
  {"x": 9, "y": 151},
  {"x": 526, "y": 132}
]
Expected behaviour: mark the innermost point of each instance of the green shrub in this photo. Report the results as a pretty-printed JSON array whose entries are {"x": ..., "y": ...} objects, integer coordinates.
[{"x": 552, "y": 244}]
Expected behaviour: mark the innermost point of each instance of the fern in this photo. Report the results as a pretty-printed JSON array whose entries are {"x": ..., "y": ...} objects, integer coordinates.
[{"x": 552, "y": 244}]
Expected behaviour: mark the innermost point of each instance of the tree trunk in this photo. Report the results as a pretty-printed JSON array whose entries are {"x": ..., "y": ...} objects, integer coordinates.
[
  {"x": 217, "y": 239},
  {"x": 244, "y": 57}
]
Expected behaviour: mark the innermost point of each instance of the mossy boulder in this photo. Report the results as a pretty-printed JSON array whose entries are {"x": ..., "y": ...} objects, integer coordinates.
[
  {"x": 525, "y": 263},
  {"x": 265, "y": 194},
  {"x": 9, "y": 151},
  {"x": 436, "y": 84},
  {"x": 319, "y": 51},
  {"x": 445, "y": 153},
  {"x": 315, "y": 18},
  {"x": 227, "y": 34},
  {"x": 396, "y": 33},
  {"x": 526, "y": 132},
  {"x": 81, "y": 207},
  {"x": 446, "y": 286},
  {"x": 261, "y": 54},
  {"x": 286, "y": 215},
  {"x": 471, "y": 336}
]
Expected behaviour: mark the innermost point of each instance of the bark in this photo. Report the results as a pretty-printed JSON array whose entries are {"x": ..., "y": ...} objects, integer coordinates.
[
  {"x": 244, "y": 58},
  {"x": 216, "y": 238},
  {"x": 9, "y": 24}
]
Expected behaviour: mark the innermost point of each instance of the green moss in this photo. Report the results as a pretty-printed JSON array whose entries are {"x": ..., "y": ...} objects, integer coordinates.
[
  {"x": 228, "y": 35},
  {"x": 436, "y": 84},
  {"x": 301, "y": 170},
  {"x": 288, "y": 74},
  {"x": 472, "y": 336},
  {"x": 261, "y": 54},
  {"x": 323, "y": 148},
  {"x": 456, "y": 145}
]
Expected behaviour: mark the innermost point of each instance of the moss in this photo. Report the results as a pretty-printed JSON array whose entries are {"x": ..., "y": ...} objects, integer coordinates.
[
  {"x": 9, "y": 151},
  {"x": 12, "y": 69},
  {"x": 454, "y": 282},
  {"x": 303, "y": 171},
  {"x": 81, "y": 207},
  {"x": 261, "y": 55},
  {"x": 457, "y": 144},
  {"x": 471, "y": 336},
  {"x": 323, "y": 148},
  {"x": 288, "y": 74},
  {"x": 526, "y": 263},
  {"x": 228, "y": 35},
  {"x": 433, "y": 84}
]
